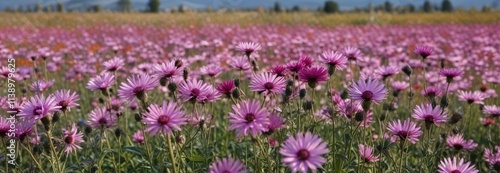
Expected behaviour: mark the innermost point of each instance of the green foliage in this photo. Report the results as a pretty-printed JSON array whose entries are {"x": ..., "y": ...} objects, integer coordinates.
[
  {"x": 154, "y": 6},
  {"x": 125, "y": 5},
  {"x": 446, "y": 6},
  {"x": 331, "y": 7},
  {"x": 59, "y": 7},
  {"x": 277, "y": 7},
  {"x": 427, "y": 7},
  {"x": 388, "y": 7}
]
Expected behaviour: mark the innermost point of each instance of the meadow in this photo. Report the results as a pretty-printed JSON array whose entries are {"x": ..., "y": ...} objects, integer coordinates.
[{"x": 250, "y": 92}]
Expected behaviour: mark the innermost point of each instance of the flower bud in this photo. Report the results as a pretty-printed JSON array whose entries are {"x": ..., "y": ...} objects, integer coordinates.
[
  {"x": 407, "y": 70},
  {"x": 302, "y": 93}
]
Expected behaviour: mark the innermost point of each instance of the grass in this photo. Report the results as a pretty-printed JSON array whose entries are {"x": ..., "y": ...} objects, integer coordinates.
[{"x": 244, "y": 18}]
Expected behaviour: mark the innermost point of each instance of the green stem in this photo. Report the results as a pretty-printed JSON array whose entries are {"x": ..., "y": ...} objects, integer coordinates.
[
  {"x": 171, "y": 150},
  {"x": 32, "y": 157}
]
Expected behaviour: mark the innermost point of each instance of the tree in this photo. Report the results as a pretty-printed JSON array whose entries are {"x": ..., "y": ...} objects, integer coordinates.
[
  {"x": 296, "y": 8},
  {"x": 125, "y": 5},
  {"x": 277, "y": 7},
  {"x": 331, "y": 7},
  {"x": 427, "y": 7},
  {"x": 38, "y": 7},
  {"x": 486, "y": 9},
  {"x": 59, "y": 7},
  {"x": 388, "y": 7},
  {"x": 411, "y": 8},
  {"x": 446, "y": 6},
  {"x": 154, "y": 6}
]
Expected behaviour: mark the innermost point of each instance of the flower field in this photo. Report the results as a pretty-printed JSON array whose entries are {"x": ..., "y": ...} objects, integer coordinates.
[{"x": 228, "y": 98}]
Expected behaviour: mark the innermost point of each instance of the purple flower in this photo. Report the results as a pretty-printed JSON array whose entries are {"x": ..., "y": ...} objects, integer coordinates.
[
  {"x": 101, "y": 82},
  {"x": 492, "y": 110},
  {"x": 366, "y": 153},
  {"x": 227, "y": 165},
  {"x": 248, "y": 47},
  {"x": 167, "y": 71},
  {"x": 41, "y": 85},
  {"x": 24, "y": 129},
  {"x": 114, "y": 64},
  {"x": 38, "y": 107},
  {"x": 386, "y": 72},
  {"x": 239, "y": 63},
  {"x": 352, "y": 53},
  {"x": 226, "y": 88},
  {"x": 165, "y": 119},
  {"x": 196, "y": 90},
  {"x": 138, "y": 137},
  {"x": 249, "y": 118},
  {"x": 275, "y": 123},
  {"x": 458, "y": 143},
  {"x": 368, "y": 90},
  {"x": 279, "y": 70},
  {"x": 430, "y": 115},
  {"x": 304, "y": 152},
  {"x": 211, "y": 70},
  {"x": 405, "y": 130},
  {"x": 72, "y": 138},
  {"x": 399, "y": 85},
  {"x": 450, "y": 73},
  {"x": 493, "y": 157},
  {"x": 313, "y": 76},
  {"x": 335, "y": 60},
  {"x": 471, "y": 97},
  {"x": 423, "y": 51},
  {"x": 306, "y": 60},
  {"x": 432, "y": 92},
  {"x": 295, "y": 66},
  {"x": 101, "y": 118},
  {"x": 136, "y": 87},
  {"x": 449, "y": 165},
  {"x": 267, "y": 83},
  {"x": 66, "y": 99}
]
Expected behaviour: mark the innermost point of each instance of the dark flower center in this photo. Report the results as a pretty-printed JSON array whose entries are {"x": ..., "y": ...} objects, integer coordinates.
[
  {"x": 496, "y": 166},
  {"x": 403, "y": 134},
  {"x": 138, "y": 91},
  {"x": 163, "y": 120},
  {"x": 484, "y": 88},
  {"x": 269, "y": 85},
  {"x": 367, "y": 95},
  {"x": 69, "y": 139},
  {"x": 250, "y": 117},
  {"x": 103, "y": 121},
  {"x": 458, "y": 146},
  {"x": 429, "y": 119},
  {"x": 470, "y": 101},
  {"x": 37, "y": 110},
  {"x": 195, "y": 92},
  {"x": 113, "y": 68},
  {"x": 456, "y": 171},
  {"x": 226, "y": 171},
  {"x": 169, "y": 74},
  {"x": 303, "y": 154}
]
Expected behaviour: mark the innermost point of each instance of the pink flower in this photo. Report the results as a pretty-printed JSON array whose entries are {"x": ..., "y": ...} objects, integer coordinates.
[
  {"x": 313, "y": 76},
  {"x": 138, "y": 137},
  {"x": 493, "y": 157},
  {"x": 366, "y": 153},
  {"x": 405, "y": 130},
  {"x": 165, "y": 119},
  {"x": 449, "y": 165},
  {"x": 136, "y": 87},
  {"x": 368, "y": 90},
  {"x": 304, "y": 152},
  {"x": 101, "y": 118},
  {"x": 72, "y": 138},
  {"x": 227, "y": 165},
  {"x": 114, "y": 64},
  {"x": 249, "y": 118},
  {"x": 267, "y": 83},
  {"x": 430, "y": 114},
  {"x": 423, "y": 51},
  {"x": 248, "y": 47},
  {"x": 334, "y": 60},
  {"x": 458, "y": 143},
  {"x": 66, "y": 99},
  {"x": 471, "y": 97},
  {"x": 38, "y": 107}
]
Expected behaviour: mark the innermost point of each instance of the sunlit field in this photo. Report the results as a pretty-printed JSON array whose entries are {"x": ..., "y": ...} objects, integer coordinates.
[{"x": 250, "y": 92}]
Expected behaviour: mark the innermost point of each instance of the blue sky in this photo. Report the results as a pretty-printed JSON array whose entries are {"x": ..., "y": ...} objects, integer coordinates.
[{"x": 141, "y": 4}]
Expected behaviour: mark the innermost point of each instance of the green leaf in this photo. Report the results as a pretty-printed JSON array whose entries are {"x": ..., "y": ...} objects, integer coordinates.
[
  {"x": 196, "y": 158},
  {"x": 134, "y": 150}
]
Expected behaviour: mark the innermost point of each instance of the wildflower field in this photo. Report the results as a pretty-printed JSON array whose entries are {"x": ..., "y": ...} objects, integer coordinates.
[{"x": 99, "y": 94}]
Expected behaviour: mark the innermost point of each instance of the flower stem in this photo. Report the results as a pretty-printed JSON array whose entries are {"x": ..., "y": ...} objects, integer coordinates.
[{"x": 171, "y": 150}]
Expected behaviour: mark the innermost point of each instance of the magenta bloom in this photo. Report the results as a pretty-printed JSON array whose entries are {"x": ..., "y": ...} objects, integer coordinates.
[
  {"x": 38, "y": 107},
  {"x": 138, "y": 137},
  {"x": 72, "y": 138},
  {"x": 66, "y": 99},
  {"x": 306, "y": 60},
  {"x": 423, "y": 51},
  {"x": 366, "y": 153},
  {"x": 101, "y": 118},
  {"x": 304, "y": 152},
  {"x": 493, "y": 157},
  {"x": 239, "y": 63},
  {"x": 450, "y": 73},
  {"x": 335, "y": 60},
  {"x": 101, "y": 82},
  {"x": 352, "y": 53},
  {"x": 113, "y": 64},
  {"x": 275, "y": 123},
  {"x": 471, "y": 97},
  {"x": 226, "y": 88},
  {"x": 41, "y": 85},
  {"x": 267, "y": 83},
  {"x": 295, "y": 66},
  {"x": 492, "y": 110},
  {"x": 458, "y": 143},
  {"x": 136, "y": 87},
  {"x": 432, "y": 92},
  {"x": 279, "y": 70},
  {"x": 248, "y": 47},
  {"x": 406, "y": 130},
  {"x": 195, "y": 90},
  {"x": 449, "y": 165},
  {"x": 24, "y": 129},
  {"x": 211, "y": 70},
  {"x": 313, "y": 76},
  {"x": 368, "y": 90},
  {"x": 249, "y": 118},
  {"x": 386, "y": 72},
  {"x": 399, "y": 85},
  {"x": 348, "y": 108},
  {"x": 165, "y": 119},
  {"x": 430, "y": 115},
  {"x": 167, "y": 71},
  {"x": 227, "y": 165}
]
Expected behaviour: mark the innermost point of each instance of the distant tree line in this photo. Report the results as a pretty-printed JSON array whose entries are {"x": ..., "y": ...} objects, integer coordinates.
[{"x": 330, "y": 7}]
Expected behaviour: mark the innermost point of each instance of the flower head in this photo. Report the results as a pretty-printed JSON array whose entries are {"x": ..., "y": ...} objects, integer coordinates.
[
  {"x": 304, "y": 152},
  {"x": 333, "y": 59},
  {"x": 430, "y": 114},
  {"x": 72, "y": 138},
  {"x": 226, "y": 87},
  {"x": 138, "y": 137},
  {"x": 313, "y": 76},
  {"x": 387, "y": 71},
  {"x": 471, "y": 97},
  {"x": 227, "y": 165},
  {"x": 249, "y": 118},
  {"x": 196, "y": 90},
  {"x": 423, "y": 51},
  {"x": 167, "y": 71},
  {"x": 405, "y": 130},
  {"x": 165, "y": 119},
  {"x": 239, "y": 63},
  {"x": 41, "y": 85},
  {"x": 493, "y": 157},
  {"x": 248, "y": 47},
  {"x": 492, "y": 110},
  {"x": 267, "y": 83},
  {"x": 450, "y": 73},
  {"x": 211, "y": 70},
  {"x": 38, "y": 107},
  {"x": 136, "y": 87},
  {"x": 66, "y": 99},
  {"x": 458, "y": 143},
  {"x": 352, "y": 53},
  {"x": 101, "y": 82},
  {"x": 432, "y": 92},
  {"x": 366, "y": 153},
  {"x": 368, "y": 90},
  {"x": 449, "y": 165},
  {"x": 279, "y": 70},
  {"x": 275, "y": 123},
  {"x": 101, "y": 118},
  {"x": 114, "y": 64}
]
